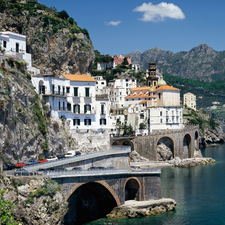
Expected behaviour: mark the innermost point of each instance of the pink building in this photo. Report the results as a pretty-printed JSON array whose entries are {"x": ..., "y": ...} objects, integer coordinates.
[{"x": 119, "y": 59}]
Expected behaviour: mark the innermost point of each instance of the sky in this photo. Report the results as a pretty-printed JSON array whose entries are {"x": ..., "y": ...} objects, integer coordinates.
[{"x": 123, "y": 26}]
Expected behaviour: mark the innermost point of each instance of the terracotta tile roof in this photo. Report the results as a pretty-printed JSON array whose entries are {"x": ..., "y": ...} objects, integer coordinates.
[
  {"x": 76, "y": 77},
  {"x": 167, "y": 87},
  {"x": 140, "y": 88},
  {"x": 142, "y": 102}
]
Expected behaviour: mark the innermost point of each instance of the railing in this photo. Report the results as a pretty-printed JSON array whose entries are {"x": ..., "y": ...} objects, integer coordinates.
[
  {"x": 111, "y": 151},
  {"x": 87, "y": 172}
]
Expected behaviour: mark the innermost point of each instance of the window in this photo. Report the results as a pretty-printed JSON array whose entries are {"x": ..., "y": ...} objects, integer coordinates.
[
  {"x": 142, "y": 116},
  {"x": 160, "y": 113},
  {"x": 68, "y": 106},
  {"x": 102, "y": 83},
  {"x": 59, "y": 105},
  {"x": 127, "y": 84},
  {"x": 58, "y": 90},
  {"x": 63, "y": 105},
  {"x": 159, "y": 96},
  {"x": 87, "y": 108},
  {"x": 53, "y": 89},
  {"x": 166, "y": 113},
  {"x": 87, "y": 94},
  {"x": 172, "y": 113},
  {"x": 75, "y": 91},
  {"x": 4, "y": 44},
  {"x": 17, "y": 47},
  {"x": 102, "y": 109},
  {"x": 102, "y": 121},
  {"x": 96, "y": 82},
  {"x": 120, "y": 93},
  {"x": 133, "y": 80},
  {"x": 76, "y": 122},
  {"x": 161, "y": 120},
  {"x": 125, "y": 117},
  {"x": 67, "y": 89},
  {"x": 76, "y": 109},
  {"x": 126, "y": 80},
  {"x": 87, "y": 122},
  {"x": 63, "y": 90},
  {"x": 167, "y": 120}
]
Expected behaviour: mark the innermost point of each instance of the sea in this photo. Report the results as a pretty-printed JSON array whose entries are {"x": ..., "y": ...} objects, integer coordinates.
[{"x": 199, "y": 192}]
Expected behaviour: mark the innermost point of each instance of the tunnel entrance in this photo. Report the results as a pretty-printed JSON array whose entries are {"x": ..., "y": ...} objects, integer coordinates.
[
  {"x": 187, "y": 146},
  {"x": 89, "y": 202},
  {"x": 132, "y": 189}
]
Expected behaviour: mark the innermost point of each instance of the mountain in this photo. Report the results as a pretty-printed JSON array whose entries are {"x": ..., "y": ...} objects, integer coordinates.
[
  {"x": 53, "y": 38},
  {"x": 201, "y": 62}
]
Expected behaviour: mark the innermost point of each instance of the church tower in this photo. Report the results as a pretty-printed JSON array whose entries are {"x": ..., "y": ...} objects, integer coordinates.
[{"x": 152, "y": 79}]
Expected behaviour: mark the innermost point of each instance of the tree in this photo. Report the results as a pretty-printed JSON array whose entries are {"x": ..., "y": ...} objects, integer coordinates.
[
  {"x": 142, "y": 126},
  {"x": 71, "y": 20},
  {"x": 63, "y": 14},
  {"x": 6, "y": 214},
  {"x": 127, "y": 130},
  {"x": 125, "y": 62}
]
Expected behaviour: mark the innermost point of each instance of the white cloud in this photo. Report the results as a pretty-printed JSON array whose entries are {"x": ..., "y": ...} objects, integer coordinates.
[
  {"x": 157, "y": 13},
  {"x": 113, "y": 23}
]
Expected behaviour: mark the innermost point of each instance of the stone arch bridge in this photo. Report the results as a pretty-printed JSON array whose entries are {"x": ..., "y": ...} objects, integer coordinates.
[
  {"x": 94, "y": 194},
  {"x": 182, "y": 142}
]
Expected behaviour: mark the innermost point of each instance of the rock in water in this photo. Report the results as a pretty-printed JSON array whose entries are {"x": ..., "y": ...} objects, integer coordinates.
[{"x": 164, "y": 153}]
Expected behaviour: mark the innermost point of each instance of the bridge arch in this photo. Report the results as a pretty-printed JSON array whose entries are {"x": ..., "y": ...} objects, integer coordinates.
[
  {"x": 90, "y": 201},
  {"x": 132, "y": 189},
  {"x": 115, "y": 143},
  {"x": 128, "y": 142},
  {"x": 169, "y": 143},
  {"x": 187, "y": 146},
  {"x": 196, "y": 141}
]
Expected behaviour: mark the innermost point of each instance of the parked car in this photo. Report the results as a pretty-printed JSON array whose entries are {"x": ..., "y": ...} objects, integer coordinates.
[
  {"x": 20, "y": 164},
  {"x": 126, "y": 135},
  {"x": 78, "y": 153},
  {"x": 31, "y": 162},
  {"x": 133, "y": 135},
  {"x": 70, "y": 154},
  {"x": 93, "y": 168},
  {"x": 61, "y": 156},
  {"x": 77, "y": 168},
  {"x": 11, "y": 166},
  {"x": 110, "y": 168},
  {"x": 42, "y": 160},
  {"x": 97, "y": 168},
  {"x": 22, "y": 172},
  {"x": 5, "y": 167},
  {"x": 52, "y": 158},
  {"x": 60, "y": 169}
]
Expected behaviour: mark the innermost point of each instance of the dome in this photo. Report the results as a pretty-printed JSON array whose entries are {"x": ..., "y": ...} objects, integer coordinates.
[
  {"x": 151, "y": 89},
  {"x": 161, "y": 81}
]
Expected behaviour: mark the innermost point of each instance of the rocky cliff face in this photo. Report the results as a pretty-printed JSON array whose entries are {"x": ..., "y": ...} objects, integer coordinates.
[
  {"x": 37, "y": 201},
  {"x": 53, "y": 42},
  {"x": 201, "y": 62},
  {"x": 26, "y": 130}
]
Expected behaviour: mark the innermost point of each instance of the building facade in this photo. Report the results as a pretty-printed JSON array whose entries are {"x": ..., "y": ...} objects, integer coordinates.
[
  {"x": 74, "y": 97},
  {"x": 189, "y": 100},
  {"x": 14, "y": 45}
]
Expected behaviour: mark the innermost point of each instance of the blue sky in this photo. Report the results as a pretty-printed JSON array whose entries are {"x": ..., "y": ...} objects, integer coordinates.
[{"x": 123, "y": 26}]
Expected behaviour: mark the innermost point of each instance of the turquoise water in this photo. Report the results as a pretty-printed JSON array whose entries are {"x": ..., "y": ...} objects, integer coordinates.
[{"x": 199, "y": 192}]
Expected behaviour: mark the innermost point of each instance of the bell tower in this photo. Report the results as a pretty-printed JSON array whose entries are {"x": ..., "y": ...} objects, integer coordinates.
[{"x": 152, "y": 79}]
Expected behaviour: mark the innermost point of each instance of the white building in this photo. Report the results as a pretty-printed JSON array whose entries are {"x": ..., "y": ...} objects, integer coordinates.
[
  {"x": 105, "y": 66},
  {"x": 14, "y": 44},
  {"x": 158, "y": 106},
  {"x": 189, "y": 100},
  {"x": 99, "y": 85},
  {"x": 74, "y": 97}
]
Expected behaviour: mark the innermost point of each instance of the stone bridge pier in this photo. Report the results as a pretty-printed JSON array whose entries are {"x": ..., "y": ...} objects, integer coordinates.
[
  {"x": 93, "y": 197},
  {"x": 182, "y": 142}
]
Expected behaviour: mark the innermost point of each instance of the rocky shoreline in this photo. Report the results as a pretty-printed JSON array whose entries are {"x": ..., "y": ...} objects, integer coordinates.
[
  {"x": 189, "y": 162},
  {"x": 132, "y": 208}
]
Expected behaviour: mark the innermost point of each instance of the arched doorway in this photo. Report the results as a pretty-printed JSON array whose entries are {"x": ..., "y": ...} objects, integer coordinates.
[
  {"x": 128, "y": 143},
  {"x": 187, "y": 146},
  {"x": 132, "y": 189},
  {"x": 90, "y": 201},
  {"x": 196, "y": 142},
  {"x": 41, "y": 87},
  {"x": 165, "y": 149}
]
